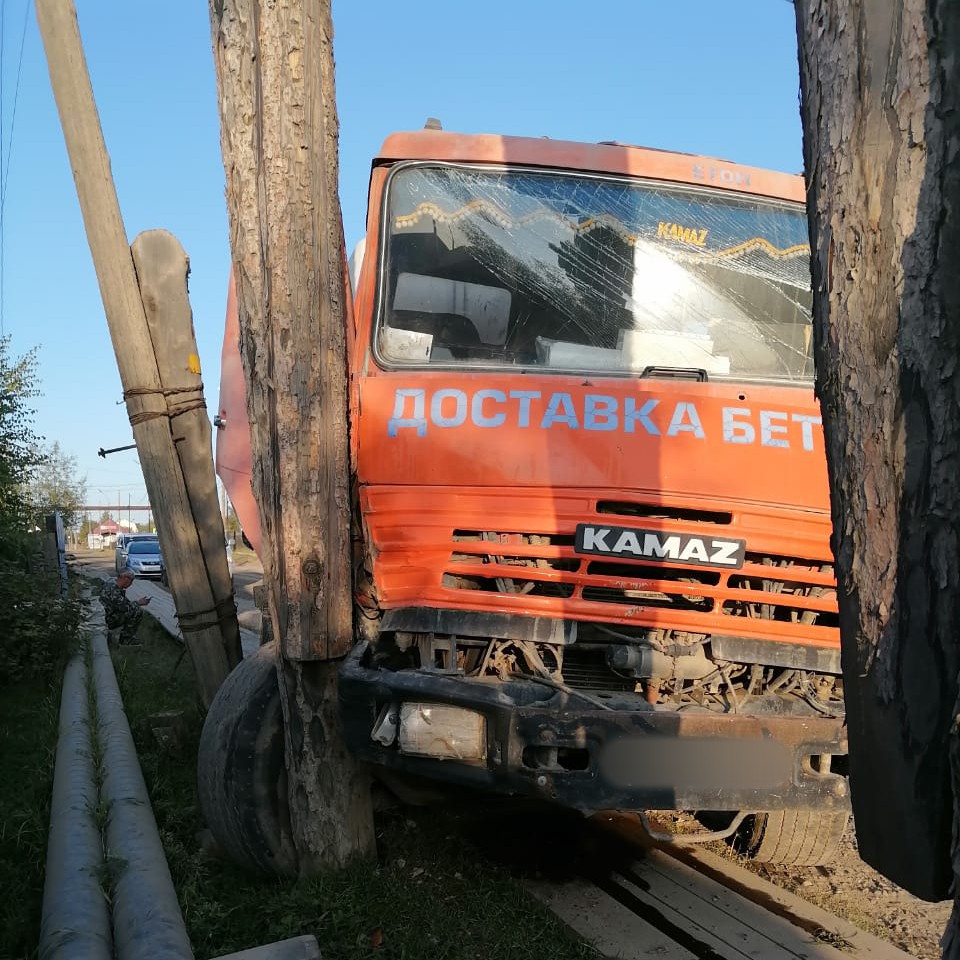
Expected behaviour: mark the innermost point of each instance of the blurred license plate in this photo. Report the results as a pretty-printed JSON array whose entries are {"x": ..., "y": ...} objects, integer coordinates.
[{"x": 695, "y": 763}]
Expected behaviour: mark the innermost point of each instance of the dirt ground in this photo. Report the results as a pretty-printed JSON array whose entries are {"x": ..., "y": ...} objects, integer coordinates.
[{"x": 853, "y": 890}]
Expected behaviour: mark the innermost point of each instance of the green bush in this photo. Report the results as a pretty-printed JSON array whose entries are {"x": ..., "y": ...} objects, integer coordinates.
[{"x": 39, "y": 626}]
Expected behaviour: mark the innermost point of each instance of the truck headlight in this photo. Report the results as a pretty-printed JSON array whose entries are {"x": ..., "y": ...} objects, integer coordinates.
[{"x": 443, "y": 731}]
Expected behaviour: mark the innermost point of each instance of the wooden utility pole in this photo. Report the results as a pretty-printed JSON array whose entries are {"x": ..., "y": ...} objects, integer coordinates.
[
  {"x": 162, "y": 269},
  {"x": 880, "y": 82},
  {"x": 148, "y": 405},
  {"x": 275, "y": 76}
]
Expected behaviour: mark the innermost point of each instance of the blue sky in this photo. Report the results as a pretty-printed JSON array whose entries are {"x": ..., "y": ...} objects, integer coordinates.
[{"x": 696, "y": 76}]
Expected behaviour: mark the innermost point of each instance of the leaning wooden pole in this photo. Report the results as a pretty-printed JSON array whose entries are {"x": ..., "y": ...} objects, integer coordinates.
[
  {"x": 880, "y": 83},
  {"x": 274, "y": 65},
  {"x": 147, "y": 404},
  {"x": 162, "y": 269}
]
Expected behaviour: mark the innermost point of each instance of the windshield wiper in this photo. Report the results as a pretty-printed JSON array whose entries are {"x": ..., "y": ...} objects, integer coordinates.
[{"x": 675, "y": 373}]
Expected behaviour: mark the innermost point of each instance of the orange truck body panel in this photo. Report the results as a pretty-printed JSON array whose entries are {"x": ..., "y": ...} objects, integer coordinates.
[
  {"x": 516, "y": 468},
  {"x": 234, "y": 458},
  {"x": 608, "y": 158},
  {"x": 584, "y": 515},
  {"x": 417, "y": 490}
]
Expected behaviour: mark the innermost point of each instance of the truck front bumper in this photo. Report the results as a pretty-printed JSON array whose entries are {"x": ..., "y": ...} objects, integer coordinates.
[{"x": 546, "y": 744}]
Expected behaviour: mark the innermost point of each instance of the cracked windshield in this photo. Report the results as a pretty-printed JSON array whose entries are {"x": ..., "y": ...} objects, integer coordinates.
[{"x": 572, "y": 272}]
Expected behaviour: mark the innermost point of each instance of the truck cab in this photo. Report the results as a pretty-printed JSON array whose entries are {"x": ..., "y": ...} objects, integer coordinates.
[{"x": 595, "y": 565}]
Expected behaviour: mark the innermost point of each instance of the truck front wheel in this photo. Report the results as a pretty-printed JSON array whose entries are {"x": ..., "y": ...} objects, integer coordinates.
[
  {"x": 798, "y": 838},
  {"x": 241, "y": 775}
]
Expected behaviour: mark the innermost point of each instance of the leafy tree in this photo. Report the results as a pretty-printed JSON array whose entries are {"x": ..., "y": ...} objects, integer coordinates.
[
  {"x": 231, "y": 523},
  {"x": 38, "y": 623},
  {"x": 56, "y": 485},
  {"x": 19, "y": 446}
]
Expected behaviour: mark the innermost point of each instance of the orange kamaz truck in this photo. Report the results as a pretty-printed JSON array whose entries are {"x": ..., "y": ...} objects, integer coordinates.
[{"x": 595, "y": 565}]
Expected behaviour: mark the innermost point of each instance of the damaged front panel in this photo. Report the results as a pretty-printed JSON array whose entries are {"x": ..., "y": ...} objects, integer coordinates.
[
  {"x": 591, "y": 473},
  {"x": 588, "y": 750}
]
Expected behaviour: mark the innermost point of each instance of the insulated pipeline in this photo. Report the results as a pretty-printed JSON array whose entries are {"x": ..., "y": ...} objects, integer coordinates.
[
  {"x": 147, "y": 921},
  {"x": 76, "y": 919}
]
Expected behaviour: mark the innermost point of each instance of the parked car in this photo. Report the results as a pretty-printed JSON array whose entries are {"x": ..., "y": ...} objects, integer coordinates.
[
  {"x": 123, "y": 544},
  {"x": 144, "y": 558}
]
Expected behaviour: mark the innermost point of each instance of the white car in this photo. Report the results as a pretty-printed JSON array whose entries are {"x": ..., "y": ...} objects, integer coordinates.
[
  {"x": 144, "y": 559},
  {"x": 123, "y": 545}
]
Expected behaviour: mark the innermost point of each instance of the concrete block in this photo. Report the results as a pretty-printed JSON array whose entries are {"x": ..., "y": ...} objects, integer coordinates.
[{"x": 297, "y": 948}]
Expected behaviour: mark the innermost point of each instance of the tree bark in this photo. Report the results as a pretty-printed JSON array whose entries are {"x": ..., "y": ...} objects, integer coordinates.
[
  {"x": 879, "y": 83},
  {"x": 279, "y": 138}
]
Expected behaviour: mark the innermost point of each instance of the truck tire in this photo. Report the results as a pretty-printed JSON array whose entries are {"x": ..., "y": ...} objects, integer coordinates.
[
  {"x": 241, "y": 775},
  {"x": 798, "y": 838}
]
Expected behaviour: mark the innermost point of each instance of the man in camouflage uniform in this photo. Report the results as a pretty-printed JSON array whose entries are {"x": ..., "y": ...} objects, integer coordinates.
[{"x": 121, "y": 612}]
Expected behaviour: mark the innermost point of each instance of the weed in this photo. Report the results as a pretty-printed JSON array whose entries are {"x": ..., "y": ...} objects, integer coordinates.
[
  {"x": 834, "y": 939},
  {"x": 28, "y": 734},
  {"x": 40, "y": 627}
]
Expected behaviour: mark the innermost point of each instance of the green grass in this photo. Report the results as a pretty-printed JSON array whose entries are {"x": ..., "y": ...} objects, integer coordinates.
[
  {"x": 28, "y": 735},
  {"x": 429, "y": 895},
  {"x": 29, "y": 713}
]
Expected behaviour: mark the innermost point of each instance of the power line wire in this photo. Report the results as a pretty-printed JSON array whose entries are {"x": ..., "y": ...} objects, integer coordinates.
[
  {"x": 16, "y": 97},
  {"x": 5, "y": 162}
]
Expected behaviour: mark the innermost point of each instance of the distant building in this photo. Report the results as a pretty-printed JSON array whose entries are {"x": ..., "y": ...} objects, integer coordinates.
[{"x": 103, "y": 535}]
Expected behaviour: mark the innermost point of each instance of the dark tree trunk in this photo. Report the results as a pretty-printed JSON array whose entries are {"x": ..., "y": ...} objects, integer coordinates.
[
  {"x": 879, "y": 82},
  {"x": 279, "y": 137}
]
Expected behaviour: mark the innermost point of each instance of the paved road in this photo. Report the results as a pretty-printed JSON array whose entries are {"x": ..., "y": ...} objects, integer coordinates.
[{"x": 101, "y": 564}]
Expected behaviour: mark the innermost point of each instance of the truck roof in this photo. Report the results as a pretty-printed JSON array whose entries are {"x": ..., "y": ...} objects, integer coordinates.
[{"x": 612, "y": 158}]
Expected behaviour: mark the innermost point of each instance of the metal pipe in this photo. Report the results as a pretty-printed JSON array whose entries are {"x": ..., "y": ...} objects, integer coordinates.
[
  {"x": 104, "y": 453},
  {"x": 703, "y": 836},
  {"x": 147, "y": 922},
  {"x": 644, "y": 662},
  {"x": 76, "y": 919}
]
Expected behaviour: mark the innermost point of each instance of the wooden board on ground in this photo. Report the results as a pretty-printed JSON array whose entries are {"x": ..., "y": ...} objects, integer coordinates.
[
  {"x": 801, "y": 913},
  {"x": 297, "y": 948},
  {"x": 661, "y": 907}
]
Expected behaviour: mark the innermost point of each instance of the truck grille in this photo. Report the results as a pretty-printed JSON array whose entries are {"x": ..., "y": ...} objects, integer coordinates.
[
  {"x": 586, "y": 669},
  {"x": 784, "y": 579},
  {"x": 791, "y": 592},
  {"x": 623, "y": 508},
  {"x": 511, "y": 551}
]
